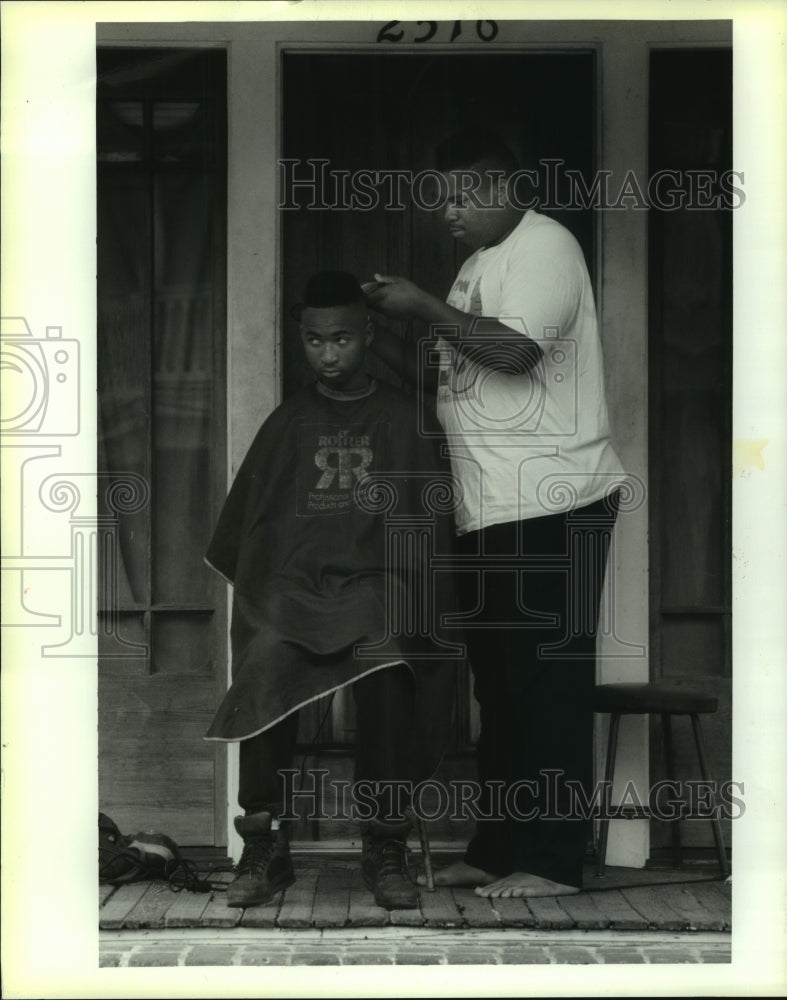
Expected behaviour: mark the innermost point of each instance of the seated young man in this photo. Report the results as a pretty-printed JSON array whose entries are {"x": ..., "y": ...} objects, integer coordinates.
[{"x": 321, "y": 594}]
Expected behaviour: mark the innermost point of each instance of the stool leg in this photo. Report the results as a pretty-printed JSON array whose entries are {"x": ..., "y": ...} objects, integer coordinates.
[
  {"x": 609, "y": 774},
  {"x": 423, "y": 837},
  {"x": 669, "y": 757},
  {"x": 715, "y": 821}
]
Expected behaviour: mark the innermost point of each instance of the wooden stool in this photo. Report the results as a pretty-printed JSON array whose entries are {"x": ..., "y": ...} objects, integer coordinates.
[{"x": 644, "y": 699}]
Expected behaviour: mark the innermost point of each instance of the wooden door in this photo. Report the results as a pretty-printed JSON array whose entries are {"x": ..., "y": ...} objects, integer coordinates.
[
  {"x": 384, "y": 113},
  {"x": 161, "y": 139}
]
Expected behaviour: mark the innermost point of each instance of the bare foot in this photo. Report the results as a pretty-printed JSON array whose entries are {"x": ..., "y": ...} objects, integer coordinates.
[
  {"x": 460, "y": 874},
  {"x": 519, "y": 884}
]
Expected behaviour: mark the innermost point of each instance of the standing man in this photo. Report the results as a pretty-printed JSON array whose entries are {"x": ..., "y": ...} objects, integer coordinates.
[{"x": 520, "y": 396}]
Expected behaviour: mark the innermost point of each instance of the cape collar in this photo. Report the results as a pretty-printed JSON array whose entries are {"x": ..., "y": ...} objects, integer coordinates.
[{"x": 347, "y": 396}]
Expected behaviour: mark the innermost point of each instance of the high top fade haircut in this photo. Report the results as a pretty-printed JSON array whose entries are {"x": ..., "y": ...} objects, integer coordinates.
[
  {"x": 332, "y": 288},
  {"x": 477, "y": 149}
]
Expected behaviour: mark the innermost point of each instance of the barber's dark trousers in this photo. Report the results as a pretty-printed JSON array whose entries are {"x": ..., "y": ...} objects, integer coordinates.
[
  {"x": 401, "y": 730},
  {"x": 531, "y": 636}
]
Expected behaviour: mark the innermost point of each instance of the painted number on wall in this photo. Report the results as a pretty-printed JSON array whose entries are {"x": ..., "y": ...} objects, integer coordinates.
[{"x": 390, "y": 32}]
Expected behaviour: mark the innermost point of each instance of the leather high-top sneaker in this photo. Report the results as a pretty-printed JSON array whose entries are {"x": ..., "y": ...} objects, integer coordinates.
[
  {"x": 384, "y": 865},
  {"x": 265, "y": 867}
]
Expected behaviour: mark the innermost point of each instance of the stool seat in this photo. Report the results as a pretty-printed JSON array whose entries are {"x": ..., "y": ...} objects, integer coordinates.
[
  {"x": 642, "y": 698},
  {"x": 660, "y": 699}
]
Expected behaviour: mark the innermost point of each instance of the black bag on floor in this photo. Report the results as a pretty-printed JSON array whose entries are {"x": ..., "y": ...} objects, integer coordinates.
[{"x": 143, "y": 857}]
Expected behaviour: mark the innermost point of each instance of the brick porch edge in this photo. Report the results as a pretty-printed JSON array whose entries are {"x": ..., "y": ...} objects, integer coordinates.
[{"x": 402, "y": 946}]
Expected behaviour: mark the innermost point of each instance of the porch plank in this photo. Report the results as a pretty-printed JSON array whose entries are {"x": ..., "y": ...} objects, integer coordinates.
[
  {"x": 698, "y": 918},
  {"x": 625, "y": 878},
  {"x": 583, "y": 912},
  {"x": 186, "y": 909},
  {"x": 263, "y": 915},
  {"x": 722, "y": 889},
  {"x": 104, "y": 892},
  {"x": 217, "y": 913},
  {"x": 649, "y": 902},
  {"x": 722, "y": 886},
  {"x": 513, "y": 912},
  {"x": 476, "y": 911},
  {"x": 332, "y": 899},
  {"x": 622, "y": 915},
  {"x": 407, "y": 918},
  {"x": 297, "y": 907},
  {"x": 151, "y": 910},
  {"x": 364, "y": 912},
  {"x": 549, "y": 915},
  {"x": 119, "y": 905},
  {"x": 439, "y": 908},
  {"x": 717, "y": 897}
]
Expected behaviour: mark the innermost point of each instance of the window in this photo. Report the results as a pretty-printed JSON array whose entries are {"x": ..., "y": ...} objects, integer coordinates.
[{"x": 161, "y": 141}]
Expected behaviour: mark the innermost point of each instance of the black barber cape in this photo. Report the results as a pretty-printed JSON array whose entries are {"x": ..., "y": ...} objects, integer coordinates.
[{"x": 336, "y": 535}]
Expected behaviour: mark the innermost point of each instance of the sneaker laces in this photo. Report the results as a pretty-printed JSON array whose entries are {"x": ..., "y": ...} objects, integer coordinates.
[
  {"x": 393, "y": 856},
  {"x": 256, "y": 855}
]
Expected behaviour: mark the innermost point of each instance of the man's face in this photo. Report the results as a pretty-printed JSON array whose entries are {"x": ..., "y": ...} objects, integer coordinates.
[
  {"x": 475, "y": 211},
  {"x": 335, "y": 340}
]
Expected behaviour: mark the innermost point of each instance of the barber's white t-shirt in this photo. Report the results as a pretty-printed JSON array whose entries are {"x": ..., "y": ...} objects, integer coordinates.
[{"x": 529, "y": 445}]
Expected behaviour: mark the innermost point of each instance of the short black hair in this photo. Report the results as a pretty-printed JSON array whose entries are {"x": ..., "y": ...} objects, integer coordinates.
[
  {"x": 474, "y": 147},
  {"x": 331, "y": 288}
]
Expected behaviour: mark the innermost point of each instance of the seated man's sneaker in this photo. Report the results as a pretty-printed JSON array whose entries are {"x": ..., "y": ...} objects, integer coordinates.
[
  {"x": 386, "y": 873},
  {"x": 265, "y": 867}
]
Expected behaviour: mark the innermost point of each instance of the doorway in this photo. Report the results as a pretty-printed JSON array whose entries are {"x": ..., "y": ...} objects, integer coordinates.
[{"x": 346, "y": 113}]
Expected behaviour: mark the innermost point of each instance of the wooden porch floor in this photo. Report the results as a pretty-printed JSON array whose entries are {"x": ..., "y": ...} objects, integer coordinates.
[{"x": 329, "y": 892}]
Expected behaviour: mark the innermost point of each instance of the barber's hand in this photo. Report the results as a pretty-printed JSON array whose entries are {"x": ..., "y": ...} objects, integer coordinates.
[{"x": 395, "y": 297}]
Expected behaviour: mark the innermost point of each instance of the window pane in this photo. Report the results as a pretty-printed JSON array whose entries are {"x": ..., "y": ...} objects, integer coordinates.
[
  {"x": 690, "y": 329},
  {"x": 179, "y": 132},
  {"x": 123, "y": 360},
  {"x": 182, "y": 397},
  {"x": 120, "y": 132}
]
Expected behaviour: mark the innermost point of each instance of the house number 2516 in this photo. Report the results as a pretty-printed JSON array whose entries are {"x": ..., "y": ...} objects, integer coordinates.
[{"x": 390, "y": 32}]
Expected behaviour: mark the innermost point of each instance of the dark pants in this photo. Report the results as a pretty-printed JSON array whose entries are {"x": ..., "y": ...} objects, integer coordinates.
[
  {"x": 531, "y": 640},
  {"x": 401, "y": 731}
]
